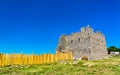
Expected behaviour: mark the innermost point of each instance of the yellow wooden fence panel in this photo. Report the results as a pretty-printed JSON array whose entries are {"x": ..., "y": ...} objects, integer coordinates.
[{"x": 21, "y": 59}]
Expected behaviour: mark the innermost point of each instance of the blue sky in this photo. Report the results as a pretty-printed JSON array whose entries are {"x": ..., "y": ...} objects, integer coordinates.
[{"x": 35, "y": 25}]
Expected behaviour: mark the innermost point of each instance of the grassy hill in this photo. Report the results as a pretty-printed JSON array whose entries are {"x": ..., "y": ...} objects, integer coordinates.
[{"x": 109, "y": 66}]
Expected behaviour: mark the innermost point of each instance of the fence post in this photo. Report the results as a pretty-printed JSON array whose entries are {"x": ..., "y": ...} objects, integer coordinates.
[
  {"x": 1, "y": 61},
  {"x": 44, "y": 58},
  {"x": 48, "y": 58},
  {"x": 56, "y": 57},
  {"x": 12, "y": 59},
  {"x": 41, "y": 61},
  {"x": 70, "y": 55},
  {"x": 52, "y": 58}
]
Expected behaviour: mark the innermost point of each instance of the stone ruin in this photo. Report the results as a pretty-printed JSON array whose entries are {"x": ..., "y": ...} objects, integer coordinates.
[{"x": 82, "y": 44}]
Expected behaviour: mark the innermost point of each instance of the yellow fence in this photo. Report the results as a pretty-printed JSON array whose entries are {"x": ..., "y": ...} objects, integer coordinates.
[{"x": 21, "y": 59}]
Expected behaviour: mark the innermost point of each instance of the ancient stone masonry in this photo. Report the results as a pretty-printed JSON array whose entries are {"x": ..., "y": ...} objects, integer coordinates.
[{"x": 86, "y": 43}]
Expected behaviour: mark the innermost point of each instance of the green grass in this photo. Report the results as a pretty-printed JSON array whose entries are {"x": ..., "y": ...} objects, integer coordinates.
[{"x": 109, "y": 66}]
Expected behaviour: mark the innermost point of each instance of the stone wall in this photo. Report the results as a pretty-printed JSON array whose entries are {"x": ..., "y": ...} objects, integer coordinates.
[{"x": 85, "y": 43}]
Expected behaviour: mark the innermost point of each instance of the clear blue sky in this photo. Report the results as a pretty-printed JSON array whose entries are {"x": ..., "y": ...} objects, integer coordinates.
[{"x": 35, "y": 25}]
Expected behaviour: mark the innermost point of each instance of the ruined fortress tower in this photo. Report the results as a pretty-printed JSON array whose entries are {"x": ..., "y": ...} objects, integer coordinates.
[{"x": 86, "y": 43}]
